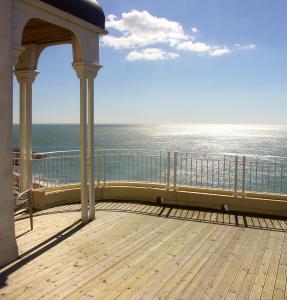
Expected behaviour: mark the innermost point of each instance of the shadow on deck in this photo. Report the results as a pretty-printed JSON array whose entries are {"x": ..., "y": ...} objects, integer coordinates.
[
  {"x": 180, "y": 213},
  {"x": 39, "y": 249},
  {"x": 198, "y": 215}
]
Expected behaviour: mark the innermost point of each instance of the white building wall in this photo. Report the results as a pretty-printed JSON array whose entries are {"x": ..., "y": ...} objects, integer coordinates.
[{"x": 8, "y": 246}]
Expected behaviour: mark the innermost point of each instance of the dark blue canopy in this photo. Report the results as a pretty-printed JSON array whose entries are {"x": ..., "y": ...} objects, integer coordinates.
[{"x": 88, "y": 10}]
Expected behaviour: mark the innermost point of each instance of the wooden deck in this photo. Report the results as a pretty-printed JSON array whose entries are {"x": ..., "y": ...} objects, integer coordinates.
[{"x": 136, "y": 251}]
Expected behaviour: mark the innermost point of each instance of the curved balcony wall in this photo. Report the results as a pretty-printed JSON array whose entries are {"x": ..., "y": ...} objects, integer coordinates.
[{"x": 230, "y": 182}]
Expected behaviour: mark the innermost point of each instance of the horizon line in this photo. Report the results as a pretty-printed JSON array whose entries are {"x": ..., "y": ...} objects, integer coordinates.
[{"x": 168, "y": 123}]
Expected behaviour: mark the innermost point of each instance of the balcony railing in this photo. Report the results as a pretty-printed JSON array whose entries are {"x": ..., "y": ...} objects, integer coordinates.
[{"x": 238, "y": 173}]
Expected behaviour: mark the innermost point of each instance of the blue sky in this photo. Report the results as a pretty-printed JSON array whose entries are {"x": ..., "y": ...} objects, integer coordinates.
[{"x": 202, "y": 61}]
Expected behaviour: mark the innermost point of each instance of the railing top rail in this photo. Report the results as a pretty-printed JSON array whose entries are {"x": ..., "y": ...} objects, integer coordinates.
[
  {"x": 149, "y": 151},
  {"x": 55, "y": 152},
  {"x": 57, "y": 157},
  {"x": 255, "y": 155}
]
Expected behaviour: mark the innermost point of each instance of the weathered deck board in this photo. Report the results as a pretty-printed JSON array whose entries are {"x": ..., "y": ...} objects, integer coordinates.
[{"x": 136, "y": 251}]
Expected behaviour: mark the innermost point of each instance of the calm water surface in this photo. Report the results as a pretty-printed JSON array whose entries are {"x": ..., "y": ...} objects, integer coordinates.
[{"x": 194, "y": 138}]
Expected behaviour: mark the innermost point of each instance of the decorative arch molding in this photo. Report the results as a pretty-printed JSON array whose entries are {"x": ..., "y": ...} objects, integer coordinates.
[
  {"x": 85, "y": 36},
  {"x": 37, "y": 35}
]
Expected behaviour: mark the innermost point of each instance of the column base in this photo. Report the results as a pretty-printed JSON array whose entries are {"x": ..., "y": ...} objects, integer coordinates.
[{"x": 9, "y": 248}]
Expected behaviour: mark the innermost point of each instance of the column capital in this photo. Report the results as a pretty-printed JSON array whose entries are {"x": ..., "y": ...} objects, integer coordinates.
[
  {"x": 84, "y": 70},
  {"x": 28, "y": 76},
  {"x": 16, "y": 53}
]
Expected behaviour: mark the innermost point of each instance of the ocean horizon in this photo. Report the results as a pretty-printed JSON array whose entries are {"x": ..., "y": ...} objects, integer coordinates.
[{"x": 249, "y": 139}]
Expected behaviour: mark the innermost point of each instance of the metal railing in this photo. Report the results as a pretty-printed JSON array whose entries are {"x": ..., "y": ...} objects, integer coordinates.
[{"x": 238, "y": 173}]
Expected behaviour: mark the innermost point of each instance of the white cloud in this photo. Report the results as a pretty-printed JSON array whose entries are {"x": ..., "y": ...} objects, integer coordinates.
[
  {"x": 194, "y": 30},
  {"x": 140, "y": 28},
  {"x": 251, "y": 47},
  {"x": 193, "y": 47},
  {"x": 245, "y": 47},
  {"x": 151, "y": 54},
  {"x": 220, "y": 51},
  {"x": 140, "y": 31},
  {"x": 203, "y": 48}
]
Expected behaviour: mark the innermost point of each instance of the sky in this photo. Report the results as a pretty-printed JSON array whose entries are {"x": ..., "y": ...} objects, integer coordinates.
[{"x": 184, "y": 61}]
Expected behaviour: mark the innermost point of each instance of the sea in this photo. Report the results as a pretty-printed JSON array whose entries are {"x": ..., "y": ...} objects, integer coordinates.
[
  {"x": 262, "y": 140},
  {"x": 201, "y": 155}
]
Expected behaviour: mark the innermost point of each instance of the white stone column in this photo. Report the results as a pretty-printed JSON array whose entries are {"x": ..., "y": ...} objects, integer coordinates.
[
  {"x": 91, "y": 126},
  {"x": 83, "y": 148},
  {"x": 8, "y": 246},
  {"x": 87, "y": 73},
  {"x": 26, "y": 79}
]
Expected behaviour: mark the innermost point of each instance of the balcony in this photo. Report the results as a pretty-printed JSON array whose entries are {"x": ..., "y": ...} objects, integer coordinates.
[
  {"x": 237, "y": 183},
  {"x": 145, "y": 251}
]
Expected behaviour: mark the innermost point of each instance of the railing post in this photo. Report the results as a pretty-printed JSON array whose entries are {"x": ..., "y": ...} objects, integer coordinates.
[
  {"x": 160, "y": 162},
  {"x": 98, "y": 168},
  {"x": 186, "y": 159},
  {"x": 275, "y": 175},
  {"x": 168, "y": 170},
  {"x": 235, "y": 175},
  {"x": 256, "y": 175},
  {"x": 104, "y": 170},
  {"x": 224, "y": 163},
  {"x": 175, "y": 170},
  {"x": 243, "y": 175}
]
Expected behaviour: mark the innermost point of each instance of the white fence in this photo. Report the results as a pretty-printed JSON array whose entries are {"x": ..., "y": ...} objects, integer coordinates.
[{"x": 238, "y": 173}]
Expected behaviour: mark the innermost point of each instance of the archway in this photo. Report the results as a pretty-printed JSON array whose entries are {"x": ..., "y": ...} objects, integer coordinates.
[
  {"x": 27, "y": 27},
  {"x": 38, "y": 35}
]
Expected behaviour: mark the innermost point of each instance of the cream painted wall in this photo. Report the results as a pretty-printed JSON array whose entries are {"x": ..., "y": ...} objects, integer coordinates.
[{"x": 266, "y": 204}]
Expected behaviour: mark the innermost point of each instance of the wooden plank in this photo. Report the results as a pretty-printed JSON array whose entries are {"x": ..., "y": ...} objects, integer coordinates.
[
  {"x": 255, "y": 222},
  {"x": 269, "y": 223},
  {"x": 185, "y": 213},
  {"x": 178, "y": 282},
  {"x": 178, "y": 213},
  {"x": 96, "y": 265},
  {"x": 220, "y": 218},
  {"x": 269, "y": 284},
  {"x": 280, "y": 289},
  {"x": 207, "y": 216},
  {"x": 191, "y": 259},
  {"x": 131, "y": 253},
  {"x": 283, "y": 224},
  {"x": 201, "y": 216},
  {"x": 235, "y": 287},
  {"x": 194, "y": 280},
  {"x": 250, "y": 277},
  {"x": 232, "y": 264},
  {"x": 190, "y": 214},
  {"x": 67, "y": 247},
  {"x": 79, "y": 244},
  {"x": 47, "y": 226},
  {"x": 258, "y": 286},
  {"x": 220, "y": 262},
  {"x": 145, "y": 265},
  {"x": 152, "y": 241},
  {"x": 163, "y": 212}
]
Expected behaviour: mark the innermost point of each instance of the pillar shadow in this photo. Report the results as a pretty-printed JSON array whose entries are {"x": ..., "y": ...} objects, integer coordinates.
[
  {"x": 211, "y": 216},
  {"x": 38, "y": 250},
  {"x": 18, "y": 236}
]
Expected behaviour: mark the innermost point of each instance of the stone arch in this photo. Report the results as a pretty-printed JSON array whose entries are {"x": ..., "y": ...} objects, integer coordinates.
[{"x": 37, "y": 35}]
